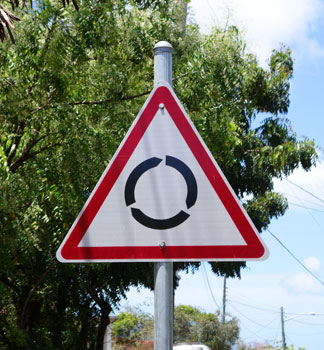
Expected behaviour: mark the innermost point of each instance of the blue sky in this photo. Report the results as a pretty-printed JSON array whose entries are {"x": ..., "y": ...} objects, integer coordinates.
[{"x": 279, "y": 281}]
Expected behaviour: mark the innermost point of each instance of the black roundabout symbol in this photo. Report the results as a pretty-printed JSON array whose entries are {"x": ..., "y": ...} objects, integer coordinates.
[{"x": 161, "y": 224}]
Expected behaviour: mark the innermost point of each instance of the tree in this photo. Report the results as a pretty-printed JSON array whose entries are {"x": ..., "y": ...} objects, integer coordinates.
[
  {"x": 64, "y": 109},
  {"x": 8, "y": 17},
  {"x": 132, "y": 328},
  {"x": 43, "y": 134},
  {"x": 192, "y": 325}
]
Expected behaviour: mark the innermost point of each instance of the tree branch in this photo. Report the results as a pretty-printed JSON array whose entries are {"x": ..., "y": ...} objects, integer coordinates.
[
  {"x": 104, "y": 305},
  {"x": 38, "y": 282},
  {"x": 90, "y": 102},
  {"x": 26, "y": 154},
  {"x": 100, "y": 102}
]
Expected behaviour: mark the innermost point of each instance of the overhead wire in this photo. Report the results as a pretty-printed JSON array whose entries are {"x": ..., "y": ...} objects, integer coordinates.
[
  {"x": 312, "y": 216},
  {"x": 307, "y": 200},
  {"x": 303, "y": 189},
  {"x": 317, "y": 222},
  {"x": 299, "y": 314},
  {"x": 309, "y": 323},
  {"x": 308, "y": 208},
  {"x": 268, "y": 324},
  {"x": 253, "y": 307},
  {"x": 276, "y": 312},
  {"x": 288, "y": 250},
  {"x": 205, "y": 284},
  {"x": 319, "y": 183},
  {"x": 253, "y": 333},
  {"x": 276, "y": 336},
  {"x": 249, "y": 319},
  {"x": 212, "y": 9},
  {"x": 289, "y": 339},
  {"x": 210, "y": 290},
  {"x": 245, "y": 300},
  {"x": 294, "y": 256}
]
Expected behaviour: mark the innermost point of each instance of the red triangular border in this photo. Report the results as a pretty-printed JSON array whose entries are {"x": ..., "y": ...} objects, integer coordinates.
[{"x": 254, "y": 248}]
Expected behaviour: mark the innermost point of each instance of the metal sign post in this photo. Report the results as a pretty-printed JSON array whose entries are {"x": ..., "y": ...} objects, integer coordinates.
[{"x": 163, "y": 271}]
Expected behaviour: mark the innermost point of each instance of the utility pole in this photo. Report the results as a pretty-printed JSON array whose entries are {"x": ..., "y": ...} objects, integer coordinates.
[
  {"x": 283, "y": 329},
  {"x": 163, "y": 271},
  {"x": 283, "y": 320},
  {"x": 224, "y": 300}
]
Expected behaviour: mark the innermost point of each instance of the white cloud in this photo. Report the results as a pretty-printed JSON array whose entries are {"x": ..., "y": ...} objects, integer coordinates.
[
  {"x": 312, "y": 263},
  {"x": 267, "y": 23},
  {"x": 303, "y": 283},
  {"x": 302, "y": 187}
]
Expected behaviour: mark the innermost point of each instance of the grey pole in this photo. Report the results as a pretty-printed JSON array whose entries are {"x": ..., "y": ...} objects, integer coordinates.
[
  {"x": 284, "y": 347},
  {"x": 163, "y": 62},
  {"x": 224, "y": 300},
  {"x": 163, "y": 271}
]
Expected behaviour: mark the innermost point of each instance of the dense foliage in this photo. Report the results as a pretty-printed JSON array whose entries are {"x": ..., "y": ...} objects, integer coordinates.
[
  {"x": 132, "y": 328},
  {"x": 70, "y": 88},
  {"x": 191, "y": 325}
]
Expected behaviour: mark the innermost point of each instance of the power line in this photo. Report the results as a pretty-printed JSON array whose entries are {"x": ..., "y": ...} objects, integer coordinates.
[
  {"x": 253, "y": 307},
  {"x": 245, "y": 300},
  {"x": 299, "y": 314},
  {"x": 249, "y": 319},
  {"x": 294, "y": 256},
  {"x": 308, "y": 208},
  {"x": 290, "y": 340},
  {"x": 205, "y": 282},
  {"x": 306, "y": 191},
  {"x": 313, "y": 202},
  {"x": 312, "y": 216},
  {"x": 210, "y": 290},
  {"x": 319, "y": 184},
  {"x": 210, "y": 6},
  {"x": 309, "y": 323},
  {"x": 277, "y": 332},
  {"x": 317, "y": 222},
  {"x": 261, "y": 329}
]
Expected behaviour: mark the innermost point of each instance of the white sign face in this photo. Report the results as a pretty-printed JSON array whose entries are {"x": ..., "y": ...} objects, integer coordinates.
[{"x": 162, "y": 197}]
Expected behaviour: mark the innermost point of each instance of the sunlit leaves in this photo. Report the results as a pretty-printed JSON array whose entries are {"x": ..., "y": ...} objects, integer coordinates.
[
  {"x": 70, "y": 89},
  {"x": 192, "y": 325}
]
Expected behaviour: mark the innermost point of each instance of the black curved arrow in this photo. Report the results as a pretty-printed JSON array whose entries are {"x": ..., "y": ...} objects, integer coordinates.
[
  {"x": 159, "y": 224},
  {"x": 135, "y": 175},
  {"x": 188, "y": 176}
]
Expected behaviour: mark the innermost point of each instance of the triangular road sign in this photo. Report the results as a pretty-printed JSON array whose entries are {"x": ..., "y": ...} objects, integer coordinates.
[{"x": 162, "y": 198}]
